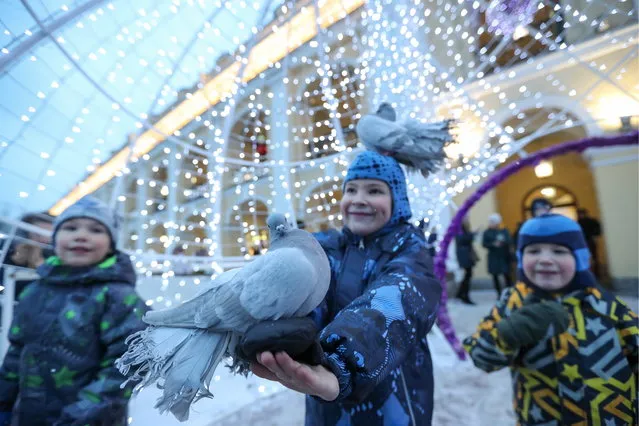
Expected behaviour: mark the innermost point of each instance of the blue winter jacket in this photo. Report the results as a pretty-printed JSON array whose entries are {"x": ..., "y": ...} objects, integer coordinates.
[
  {"x": 382, "y": 301},
  {"x": 68, "y": 329}
]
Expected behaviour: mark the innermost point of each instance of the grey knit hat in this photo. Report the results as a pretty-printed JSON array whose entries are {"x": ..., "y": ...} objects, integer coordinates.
[{"x": 92, "y": 208}]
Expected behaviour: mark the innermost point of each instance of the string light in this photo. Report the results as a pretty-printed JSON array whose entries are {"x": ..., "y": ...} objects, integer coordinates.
[
  {"x": 397, "y": 63},
  {"x": 189, "y": 194}
]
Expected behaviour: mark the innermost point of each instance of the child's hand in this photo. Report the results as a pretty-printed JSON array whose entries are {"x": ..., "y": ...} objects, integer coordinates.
[
  {"x": 312, "y": 380},
  {"x": 529, "y": 324}
]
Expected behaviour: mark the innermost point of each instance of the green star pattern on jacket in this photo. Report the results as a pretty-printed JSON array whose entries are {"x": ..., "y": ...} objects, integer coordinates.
[
  {"x": 64, "y": 377},
  {"x": 131, "y": 300},
  {"x": 60, "y": 364},
  {"x": 101, "y": 297},
  {"x": 33, "y": 381}
]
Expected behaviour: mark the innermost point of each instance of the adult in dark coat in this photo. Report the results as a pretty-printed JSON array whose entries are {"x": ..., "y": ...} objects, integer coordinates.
[
  {"x": 466, "y": 258},
  {"x": 540, "y": 206},
  {"x": 497, "y": 241},
  {"x": 592, "y": 230},
  {"x": 28, "y": 250}
]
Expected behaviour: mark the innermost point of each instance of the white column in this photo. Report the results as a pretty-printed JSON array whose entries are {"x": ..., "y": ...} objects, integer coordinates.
[
  {"x": 143, "y": 174},
  {"x": 280, "y": 153},
  {"x": 214, "y": 219},
  {"x": 125, "y": 224},
  {"x": 385, "y": 76},
  {"x": 173, "y": 182}
]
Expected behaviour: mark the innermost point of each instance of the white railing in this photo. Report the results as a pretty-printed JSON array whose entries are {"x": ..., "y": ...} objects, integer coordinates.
[{"x": 11, "y": 275}]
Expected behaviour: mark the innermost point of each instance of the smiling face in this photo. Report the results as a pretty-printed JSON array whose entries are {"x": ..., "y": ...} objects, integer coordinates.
[
  {"x": 548, "y": 266},
  {"x": 82, "y": 242},
  {"x": 367, "y": 205}
]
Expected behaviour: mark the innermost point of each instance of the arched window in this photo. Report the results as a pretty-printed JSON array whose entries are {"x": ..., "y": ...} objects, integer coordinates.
[
  {"x": 194, "y": 235},
  {"x": 321, "y": 207},
  {"x": 316, "y": 130},
  {"x": 249, "y": 141},
  {"x": 156, "y": 242},
  {"x": 246, "y": 233}
]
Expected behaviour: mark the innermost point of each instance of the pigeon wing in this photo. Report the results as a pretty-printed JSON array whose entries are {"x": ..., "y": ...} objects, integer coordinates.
[{"x": 281, "y": 287}]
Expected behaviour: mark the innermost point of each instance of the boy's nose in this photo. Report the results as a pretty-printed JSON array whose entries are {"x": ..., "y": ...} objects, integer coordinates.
[
  {"x": 359, "y": 199},
  {"x": 545, "y": 258},
  {"x": 80, "y": 236}
]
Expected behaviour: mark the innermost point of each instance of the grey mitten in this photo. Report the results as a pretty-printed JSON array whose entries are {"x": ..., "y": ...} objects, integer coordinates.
[{"x": 529, "y": 324}]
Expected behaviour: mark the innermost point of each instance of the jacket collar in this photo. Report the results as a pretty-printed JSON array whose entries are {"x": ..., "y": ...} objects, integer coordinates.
[
  {"x": 115, "y": 268},
  {"x": 388, "y": 239}
]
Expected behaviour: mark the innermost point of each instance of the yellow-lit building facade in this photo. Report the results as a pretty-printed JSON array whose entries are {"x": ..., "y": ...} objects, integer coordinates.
[{"x": 283, "y": 142}]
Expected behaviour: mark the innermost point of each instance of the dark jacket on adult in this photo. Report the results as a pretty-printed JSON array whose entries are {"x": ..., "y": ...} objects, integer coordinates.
[
  {"x": 466, "y": 256},
  {"x": 68, "y": 329},
  {"x": 498, "y": 257},
  {"x": 382, "y": 301}
]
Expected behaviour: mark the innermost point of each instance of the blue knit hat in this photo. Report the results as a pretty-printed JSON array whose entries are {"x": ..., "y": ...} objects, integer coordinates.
[
  {"x": 371, "y": 165},
  {"x": 557, "y": 229},
  {"x": 91, "y": 208}
]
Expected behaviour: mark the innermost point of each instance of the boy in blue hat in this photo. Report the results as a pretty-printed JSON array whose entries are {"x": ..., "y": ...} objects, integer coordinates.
[
  {"x": 375, "y": 364},
  {"x": 571, "y": 345},
  {"x": 70, "y": 326}
]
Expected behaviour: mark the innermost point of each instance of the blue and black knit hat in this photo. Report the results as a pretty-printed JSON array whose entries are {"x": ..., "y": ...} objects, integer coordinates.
[
  {"x": 371, "y": 165},
  {"x": 557, "y": 229},
  {"x": 91, "y": 208}
]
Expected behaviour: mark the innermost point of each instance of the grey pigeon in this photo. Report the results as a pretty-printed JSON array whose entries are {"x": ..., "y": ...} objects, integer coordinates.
[
  {"x": 419, "y": 146},
  {"x": 182, "y": 346}
]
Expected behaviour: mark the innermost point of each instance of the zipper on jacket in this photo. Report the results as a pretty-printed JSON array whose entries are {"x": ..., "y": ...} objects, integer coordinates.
[
  {"x": 361, "y": 244},
  {"x": 408, "y": 400}
]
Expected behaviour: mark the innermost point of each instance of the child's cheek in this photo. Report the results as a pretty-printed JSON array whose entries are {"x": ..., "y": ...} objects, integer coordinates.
[
  {"x": 528, "y": 265},
  {"x": 569, "y": 270}
]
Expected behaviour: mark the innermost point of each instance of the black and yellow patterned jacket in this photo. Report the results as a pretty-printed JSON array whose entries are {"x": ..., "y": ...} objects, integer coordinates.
[{"x": 584, "y": 376}]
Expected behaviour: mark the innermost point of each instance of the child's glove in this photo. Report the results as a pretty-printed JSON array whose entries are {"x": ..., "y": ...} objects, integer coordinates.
[
  {"x": 295, "y": 336},
  {"x": 529, "y": 324}
]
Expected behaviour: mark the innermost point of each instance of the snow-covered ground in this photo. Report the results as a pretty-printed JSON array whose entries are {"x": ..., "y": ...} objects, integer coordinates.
[{"x": 464, "y": 395}]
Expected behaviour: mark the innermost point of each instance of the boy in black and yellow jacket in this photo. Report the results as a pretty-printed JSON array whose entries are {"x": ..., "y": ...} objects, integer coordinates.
[{"x": 571, "y": 345}]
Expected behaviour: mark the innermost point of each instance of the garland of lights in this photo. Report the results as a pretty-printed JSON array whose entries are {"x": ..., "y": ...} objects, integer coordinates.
[
  {"x": 383, "y": 62},
  {"x": 455, "y": 225},
  {"x": 432, "y": 60}
]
